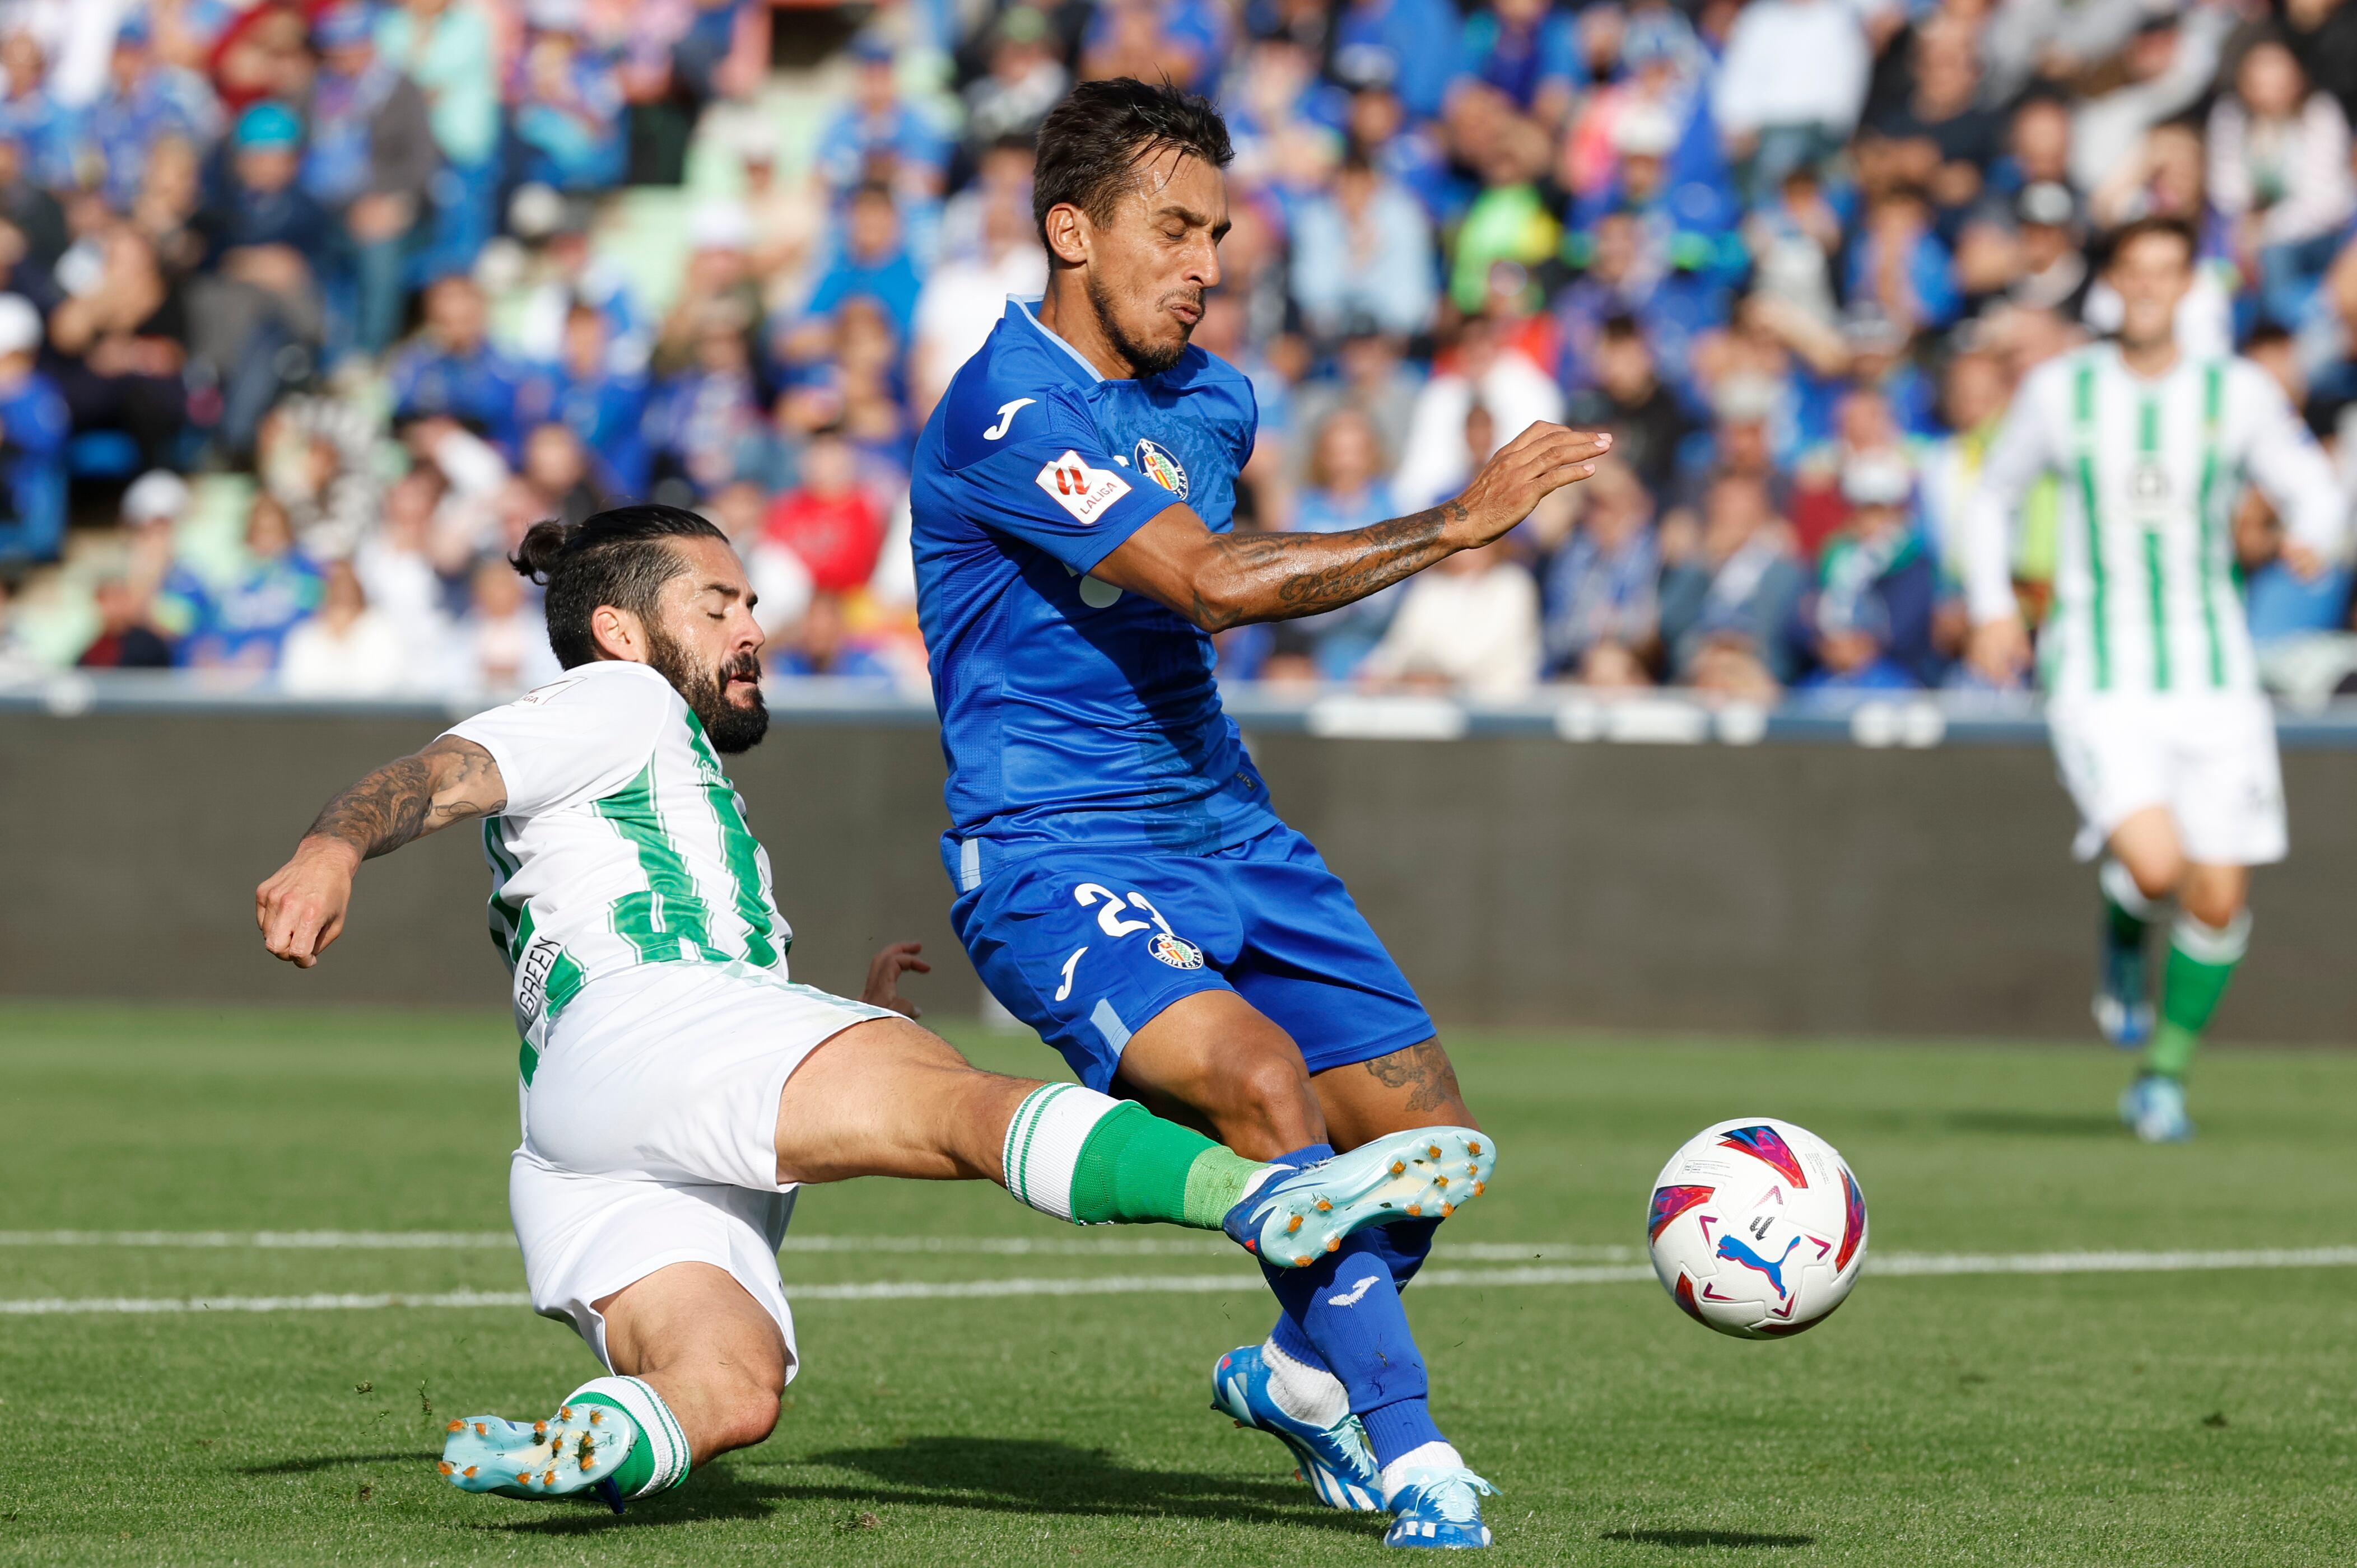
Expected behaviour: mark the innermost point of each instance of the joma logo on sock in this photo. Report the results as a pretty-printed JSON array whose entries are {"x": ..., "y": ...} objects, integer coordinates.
[{"x": 1355, "y": 1293}]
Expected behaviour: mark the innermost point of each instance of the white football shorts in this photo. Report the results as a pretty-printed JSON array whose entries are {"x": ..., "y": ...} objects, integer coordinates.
[
  {"x": 2208, "y": 758},
  {"x": 649, "y": 1136}
]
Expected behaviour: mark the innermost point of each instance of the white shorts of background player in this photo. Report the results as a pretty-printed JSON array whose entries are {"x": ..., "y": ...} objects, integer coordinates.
[{"x": 2208, "y": 757}]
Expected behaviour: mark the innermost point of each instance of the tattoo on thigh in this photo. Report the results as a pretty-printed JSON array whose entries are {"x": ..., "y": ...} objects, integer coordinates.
[{"x": 1424, "y": 1071}]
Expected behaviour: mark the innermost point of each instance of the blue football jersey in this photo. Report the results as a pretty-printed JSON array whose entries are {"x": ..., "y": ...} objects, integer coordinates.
[{"x": 1072, "y": 713}]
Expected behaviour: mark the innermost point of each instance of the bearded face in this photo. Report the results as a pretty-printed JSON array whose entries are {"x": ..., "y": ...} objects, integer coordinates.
[{"x": 725, "y": 698}]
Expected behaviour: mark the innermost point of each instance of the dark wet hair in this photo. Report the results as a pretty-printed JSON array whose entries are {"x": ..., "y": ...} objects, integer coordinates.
[
  {"x": 620, "y": 557},
  {"x": 1092, "y": 143}
]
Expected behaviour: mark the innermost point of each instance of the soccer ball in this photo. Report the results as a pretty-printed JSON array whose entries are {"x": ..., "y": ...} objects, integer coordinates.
[{"x": 1757, "y": 1229}]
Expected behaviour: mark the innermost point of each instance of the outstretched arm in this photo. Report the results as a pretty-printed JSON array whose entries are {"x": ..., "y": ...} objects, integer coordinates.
[
  {"x": 1220, "y": 580},
  {"x": 301, "y": 909}
]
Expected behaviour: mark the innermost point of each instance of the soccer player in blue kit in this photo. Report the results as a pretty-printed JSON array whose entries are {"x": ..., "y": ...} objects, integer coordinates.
[{"x": 1122, "y": 882}]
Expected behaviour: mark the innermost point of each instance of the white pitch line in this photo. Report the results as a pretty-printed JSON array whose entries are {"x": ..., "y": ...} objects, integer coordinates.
[
  {"x": 1896, "y": 1263},
  {"x": 985, "y": 1246}
]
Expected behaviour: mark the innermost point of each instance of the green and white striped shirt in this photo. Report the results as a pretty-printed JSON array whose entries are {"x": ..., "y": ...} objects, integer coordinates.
[
  {"x": 2150, "y": 470},
  {"x": 623, "y": 843}
]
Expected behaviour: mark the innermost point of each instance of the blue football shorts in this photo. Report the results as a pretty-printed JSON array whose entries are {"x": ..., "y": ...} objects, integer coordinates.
[{"x": 1087, "y": 945}]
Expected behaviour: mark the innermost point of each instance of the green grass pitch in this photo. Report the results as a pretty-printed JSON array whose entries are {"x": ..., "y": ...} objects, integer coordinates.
[{"x": 2130, "y": 1418}]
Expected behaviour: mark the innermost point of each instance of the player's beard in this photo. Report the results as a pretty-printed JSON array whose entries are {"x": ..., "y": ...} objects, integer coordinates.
[
  {"x": 728, "y": 727},
  {"x": 1146, "y": 359}
]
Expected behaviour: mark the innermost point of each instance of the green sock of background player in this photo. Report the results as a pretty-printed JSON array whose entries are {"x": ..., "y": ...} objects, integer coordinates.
[
  {"x": 2125, "y": 904},
  {"x": 2201, "y": 959}
]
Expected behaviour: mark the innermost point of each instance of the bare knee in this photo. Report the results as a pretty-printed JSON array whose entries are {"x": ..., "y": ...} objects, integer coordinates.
[
  {"x": 744, "y": 1411},
  {"x": 2213, "y": 900}
]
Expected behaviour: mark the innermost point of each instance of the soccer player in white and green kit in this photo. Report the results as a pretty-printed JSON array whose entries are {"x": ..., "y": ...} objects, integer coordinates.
[
  {"x": 2163, "y": 737},
  {"x": 677, "y": 1087}
]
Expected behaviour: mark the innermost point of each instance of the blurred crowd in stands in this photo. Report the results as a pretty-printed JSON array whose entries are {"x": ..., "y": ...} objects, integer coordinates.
[{"x": 312, "y": 308}]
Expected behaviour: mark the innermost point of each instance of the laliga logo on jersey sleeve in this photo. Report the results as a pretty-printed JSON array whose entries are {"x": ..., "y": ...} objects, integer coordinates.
[
  {"x": 1083, "y": 492},
  {"x": 1157, "y": 463}
]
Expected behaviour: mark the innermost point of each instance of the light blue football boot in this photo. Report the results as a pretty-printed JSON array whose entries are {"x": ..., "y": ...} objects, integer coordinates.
[
  {"x": 2123, "y": 991},
  {"x": 2155, "y": 1106},
  {"x": 1438, "y": 1508},
  {"x": 1335, "y": 1460},
  {"x": 1425, "y": 1174},
  {"x": 577, "y": 1450}
]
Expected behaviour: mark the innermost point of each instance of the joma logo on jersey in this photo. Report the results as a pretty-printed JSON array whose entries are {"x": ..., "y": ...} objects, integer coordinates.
[
  {"x": 1083, "y": 492},
  {"x": 1157, "y": 463}
]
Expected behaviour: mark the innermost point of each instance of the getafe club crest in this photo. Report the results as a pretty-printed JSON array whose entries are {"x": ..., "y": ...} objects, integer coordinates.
[
  {"x": 1157, "y": 464},
  {"x": 1176, "y": 952}
]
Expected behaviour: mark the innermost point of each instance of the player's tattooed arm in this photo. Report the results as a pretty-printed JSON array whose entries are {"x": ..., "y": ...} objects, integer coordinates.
[
  {"x": 1220, "y": 580},
  {"x": 451, "y": 780},
  {"x": 301, "y": 909}
]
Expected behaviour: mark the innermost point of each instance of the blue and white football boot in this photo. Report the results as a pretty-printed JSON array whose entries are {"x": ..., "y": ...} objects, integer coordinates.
[
  {"x": 1335, "y": 1460},
  {"x": 1293, "y": 1220},
  {"x": 2123, "y": 991},
  {"x": 578, "y": 1450},
  {"x": 1438, "y": 1507},
  {"x": 2155, "y": 1106}
]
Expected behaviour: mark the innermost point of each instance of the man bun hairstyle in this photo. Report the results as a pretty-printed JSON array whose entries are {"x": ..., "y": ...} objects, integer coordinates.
[
  {"x": 620, "y": 557},
  {"x": 1091, "y": 143}
]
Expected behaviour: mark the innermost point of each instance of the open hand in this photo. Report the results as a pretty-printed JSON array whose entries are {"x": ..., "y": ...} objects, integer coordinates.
[
  {"x": 301, "y": 909},
  {"x": 1541, "y": 460},
  {"x": 884, "y": 973}
]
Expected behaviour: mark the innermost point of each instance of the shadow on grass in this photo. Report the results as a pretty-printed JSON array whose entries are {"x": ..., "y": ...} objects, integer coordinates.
[
  {"x": 983, "y": 1475},
  {"x": 1683, "y": 1537},
  {"x": 2038, "y": 1123},
  {"x": 316, "y": 1461}
]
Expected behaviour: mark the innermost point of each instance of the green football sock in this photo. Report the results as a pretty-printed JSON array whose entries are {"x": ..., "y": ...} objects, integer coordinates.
[
  {"x": 1088, "y": 1158},
  {"x": 658, "y": 1459},
  {"x": 2201, "y": 959}
]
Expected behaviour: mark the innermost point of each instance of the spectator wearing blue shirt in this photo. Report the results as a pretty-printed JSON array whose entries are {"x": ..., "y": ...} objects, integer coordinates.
[
  {"x": 880, "y": 136},
  {"x": 1870, "y": 623},
  {"x": 1602, "y": 602},
  {"x": 1364, "y": 249},
  {"x": 1416, "y": 38},
  {"x": 1528, "y": 51},
  {"x": 707, "y": 419},
  {"x": 1729, "y": 590},
  {"x": 604, "y": 406},
  {"x": 874, "y": 262},
  {"x": 241, "y": 621},
  {"x": 370, "y": 160},
  {"x": 147, "y": 99},
  {"x": 1899, "y": 263},
  {"x": 1377, "y": 126},
  {"x": 568, "y": 112},
  {"x": 48, "y": 131},
  {"x": 33, "y": 430},
  {"x": 258, "y": 315},
  {"x": 450, "y": 369}
]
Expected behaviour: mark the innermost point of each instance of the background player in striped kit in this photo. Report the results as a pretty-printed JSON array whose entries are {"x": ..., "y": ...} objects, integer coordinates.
[
  {"x": 677, "y": 1086},
  {"x": 2164, "y": 738}
]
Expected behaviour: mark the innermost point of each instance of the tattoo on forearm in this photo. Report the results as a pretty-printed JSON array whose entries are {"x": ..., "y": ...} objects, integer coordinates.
[
  {"x": 1293, "y": 574},
  {"x": 402, "y": 798},
  {"x": 1424, "y": 1072}
]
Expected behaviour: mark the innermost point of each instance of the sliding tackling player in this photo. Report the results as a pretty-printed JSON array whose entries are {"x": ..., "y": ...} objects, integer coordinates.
[
  {"x": 1123, "y": 883},
  {"x": 677, "y": 1087},
  {"x": 2163, "y": 737}
]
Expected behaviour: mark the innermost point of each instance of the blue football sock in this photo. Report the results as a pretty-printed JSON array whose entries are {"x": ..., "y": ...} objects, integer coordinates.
[
  {"x": 1404, "y": 1246},
  {"x": 1346, "y": 1306}
]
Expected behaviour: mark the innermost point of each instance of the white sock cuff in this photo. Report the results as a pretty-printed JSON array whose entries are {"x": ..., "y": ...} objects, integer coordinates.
[
  {"x": 2121, "y": 888},
  {"x": 666, "y": 1443},
  {"x": 1427, "y": 1456},
  {"x": 1043, "y": 1143},
  {"x": 2211, "y": 944},
  {"x": 1303, "y": 1392}
]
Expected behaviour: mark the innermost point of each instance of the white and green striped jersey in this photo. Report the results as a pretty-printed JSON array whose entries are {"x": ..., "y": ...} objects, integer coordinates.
[
  {"x": 2143, "y": 596},
  {"x": 623, "y": 843}
]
